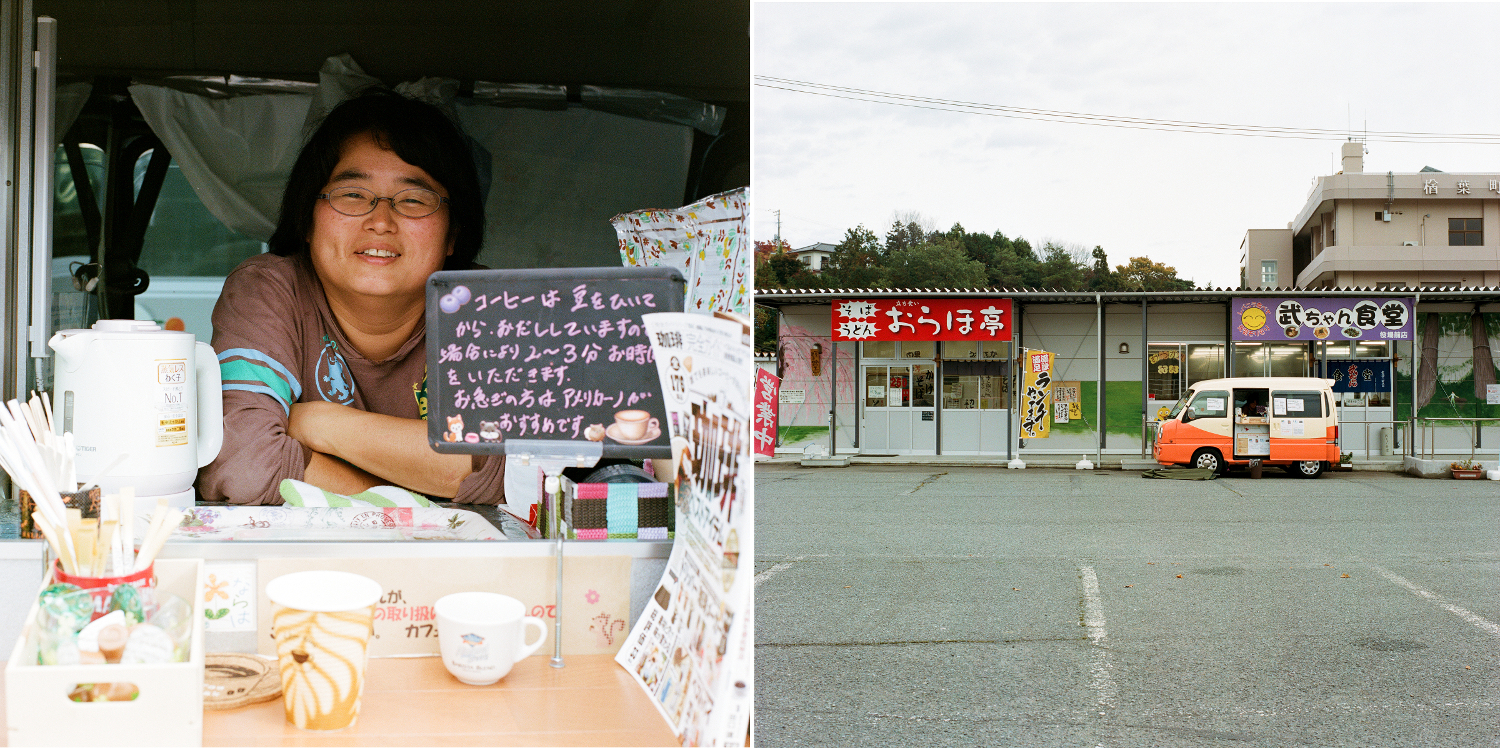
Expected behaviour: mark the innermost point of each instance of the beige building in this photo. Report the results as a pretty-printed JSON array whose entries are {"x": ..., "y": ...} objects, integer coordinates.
[{"x": 1427, "y": 229}]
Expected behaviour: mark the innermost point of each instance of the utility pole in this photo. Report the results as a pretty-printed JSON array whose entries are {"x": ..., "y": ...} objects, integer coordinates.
[{"x": 778, "y": 226}]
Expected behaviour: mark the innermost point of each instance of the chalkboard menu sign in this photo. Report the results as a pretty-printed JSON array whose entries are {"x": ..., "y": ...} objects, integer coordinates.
[{"x": 551, "y": 354}]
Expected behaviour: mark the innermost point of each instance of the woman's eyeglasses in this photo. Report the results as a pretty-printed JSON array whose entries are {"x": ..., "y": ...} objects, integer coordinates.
[{"x": 412, "y": 203}]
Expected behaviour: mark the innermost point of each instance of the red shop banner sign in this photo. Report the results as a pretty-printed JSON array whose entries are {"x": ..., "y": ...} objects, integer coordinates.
[
  {"x": 922, "y": 319},
  {"x": 767, "y": 386}
]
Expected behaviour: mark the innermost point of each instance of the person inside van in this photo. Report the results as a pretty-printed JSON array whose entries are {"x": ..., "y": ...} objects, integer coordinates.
[
  {"x": 1253, "y": 408},
  {"x": 322, "y": 341}
]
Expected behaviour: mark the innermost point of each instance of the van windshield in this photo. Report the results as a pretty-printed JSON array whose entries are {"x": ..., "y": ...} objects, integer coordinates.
[{"x": 1177, "y": 409}]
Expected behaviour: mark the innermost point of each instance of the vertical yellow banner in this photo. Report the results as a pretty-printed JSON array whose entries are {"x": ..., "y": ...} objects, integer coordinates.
[{"x": 1036, "y": 395}]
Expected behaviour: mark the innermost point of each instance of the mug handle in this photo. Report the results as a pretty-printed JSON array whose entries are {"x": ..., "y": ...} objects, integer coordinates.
[
  {"x": 655, "y": 424},
  {"x": 527, "y": 649}
]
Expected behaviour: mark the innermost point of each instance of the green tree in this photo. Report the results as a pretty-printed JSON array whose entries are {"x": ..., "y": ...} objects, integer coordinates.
[
  {"x": 941, "y": 263},
  {"x": 903, "y": 236},
  {"x": 1006, "y": 265},
  {"x": 766, "y": 322},
  {"x": 791, "y": 273},
  {"x": 1144, "y": 275},
  {"x": 1099, "y": 276},
  {"x": 856, "y": 261},
  {"x": 764, "y": 276},
  {"x": 1058, "y": 269}
]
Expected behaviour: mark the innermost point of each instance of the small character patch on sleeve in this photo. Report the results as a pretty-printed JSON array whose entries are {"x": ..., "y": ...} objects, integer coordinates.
[{"x": 419, "y": 391}]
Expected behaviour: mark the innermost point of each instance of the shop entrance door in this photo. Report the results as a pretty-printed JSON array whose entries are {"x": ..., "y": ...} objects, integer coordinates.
[{"x": 898, "y": 413}]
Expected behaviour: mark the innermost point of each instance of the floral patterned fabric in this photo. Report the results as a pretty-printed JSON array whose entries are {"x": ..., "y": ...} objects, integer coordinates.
[{"x": 413, "y": 523}]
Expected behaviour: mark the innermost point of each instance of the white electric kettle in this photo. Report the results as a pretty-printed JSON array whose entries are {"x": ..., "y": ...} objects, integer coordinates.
[{"x": 128, "y": 387}]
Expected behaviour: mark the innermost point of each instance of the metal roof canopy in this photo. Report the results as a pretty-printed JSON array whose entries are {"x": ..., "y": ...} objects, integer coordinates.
[{"x": 788, "y": 296}]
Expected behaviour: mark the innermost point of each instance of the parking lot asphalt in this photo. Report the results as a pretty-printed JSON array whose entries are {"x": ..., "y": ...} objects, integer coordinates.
[{"x": 910, "y": 605}]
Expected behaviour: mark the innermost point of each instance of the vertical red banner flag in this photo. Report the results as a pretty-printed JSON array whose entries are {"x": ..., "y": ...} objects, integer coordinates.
[{"x": 767, "y": 387}]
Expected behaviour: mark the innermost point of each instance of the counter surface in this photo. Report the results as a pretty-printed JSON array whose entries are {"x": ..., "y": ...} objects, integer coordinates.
[{"x": 414, "y": 701}]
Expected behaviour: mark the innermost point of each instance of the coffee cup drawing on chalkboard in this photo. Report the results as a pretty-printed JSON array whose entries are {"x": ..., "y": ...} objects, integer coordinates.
[{"x": 634, "y": 427}]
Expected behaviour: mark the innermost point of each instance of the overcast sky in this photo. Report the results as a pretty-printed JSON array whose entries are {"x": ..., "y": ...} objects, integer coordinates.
[{"x": 1184, "y": 199}]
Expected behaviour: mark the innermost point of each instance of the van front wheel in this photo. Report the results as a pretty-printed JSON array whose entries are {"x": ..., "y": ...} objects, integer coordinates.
[
  {"x": 1307, "y": 469},
  {"x": 1209, "y": 459}
]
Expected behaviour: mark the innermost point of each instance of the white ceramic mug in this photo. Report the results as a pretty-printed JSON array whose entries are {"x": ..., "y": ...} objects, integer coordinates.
[{"x": 482, "y": 634}]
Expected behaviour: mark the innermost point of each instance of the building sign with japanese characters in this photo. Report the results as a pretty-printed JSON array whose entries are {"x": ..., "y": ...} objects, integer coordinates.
[
  {"x": 763, "y": 428},
  {"x": 922, "y": 319},
  {"x": 1360, "y": 376},
  {"x": 1353, "y": 318}
]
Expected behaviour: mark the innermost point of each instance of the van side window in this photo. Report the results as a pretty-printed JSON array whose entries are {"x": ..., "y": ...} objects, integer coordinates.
[
  {"x": 1296, "y": 404},
  {"x": 1210, "y": 404}
]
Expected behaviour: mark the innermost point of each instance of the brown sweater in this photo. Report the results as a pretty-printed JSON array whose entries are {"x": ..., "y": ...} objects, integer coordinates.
[{"x": 278, "y": 344}]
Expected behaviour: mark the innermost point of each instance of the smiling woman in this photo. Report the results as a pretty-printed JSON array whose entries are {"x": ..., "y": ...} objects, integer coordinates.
[{"x": 321, "y": 341}]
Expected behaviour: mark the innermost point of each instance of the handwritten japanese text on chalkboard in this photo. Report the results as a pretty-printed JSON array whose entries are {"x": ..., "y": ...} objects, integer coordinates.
[{"x": 516, "y": 356}]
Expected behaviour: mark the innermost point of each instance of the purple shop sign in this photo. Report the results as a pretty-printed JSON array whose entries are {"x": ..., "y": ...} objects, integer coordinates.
[{"x": 1347, "y": 318}]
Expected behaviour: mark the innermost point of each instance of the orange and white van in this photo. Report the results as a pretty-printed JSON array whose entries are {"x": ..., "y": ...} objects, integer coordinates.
[{"x": 1285, "y": 421}]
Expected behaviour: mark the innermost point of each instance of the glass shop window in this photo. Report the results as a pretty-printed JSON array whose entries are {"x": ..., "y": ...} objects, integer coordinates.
[
  {"x": 926, "y": 349},
  {"x": 961, "y": 350},
  {"x": 994, "y": 351},
  {"x": 875, "y": 386},
  {"x": 1287, "y": 360},
  {"x": 1204, "y": 361},
  {"x": 1164, "y": 370},
  {"x": 923, "y": 379},
  {"x": 898, "y": 387},
  {"x": 878, "y": 349},
  {"x": 1249, "y": 359}
]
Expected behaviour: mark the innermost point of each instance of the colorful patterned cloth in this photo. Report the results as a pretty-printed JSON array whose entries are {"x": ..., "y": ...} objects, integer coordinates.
[{"x": 599, "y": 511}]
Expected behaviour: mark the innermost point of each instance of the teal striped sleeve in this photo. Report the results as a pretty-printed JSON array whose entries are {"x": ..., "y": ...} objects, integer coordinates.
[{"x": 250, "y": 370}]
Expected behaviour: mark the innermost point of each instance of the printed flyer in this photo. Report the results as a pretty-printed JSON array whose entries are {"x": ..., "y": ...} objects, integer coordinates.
[{"x": 691, "y": 649}]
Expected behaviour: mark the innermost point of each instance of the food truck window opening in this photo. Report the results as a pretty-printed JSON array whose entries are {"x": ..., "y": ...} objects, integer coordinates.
[
  {"x": 185, "y": 253},
  {"x": 1252, "y": 402},
  {"x": 1208, "y": 404}
]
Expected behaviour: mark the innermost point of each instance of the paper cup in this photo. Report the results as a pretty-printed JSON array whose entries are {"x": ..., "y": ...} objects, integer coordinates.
[
  {"x": 482, "y": 634},
  {"x": 322, "y": 621}
]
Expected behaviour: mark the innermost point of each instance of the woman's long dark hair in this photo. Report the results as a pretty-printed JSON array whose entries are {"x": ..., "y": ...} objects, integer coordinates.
[{"x": 421, "y": 134}]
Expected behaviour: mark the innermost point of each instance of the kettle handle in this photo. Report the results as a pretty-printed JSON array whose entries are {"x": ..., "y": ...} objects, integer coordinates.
[{"x": 210, "y": 403}]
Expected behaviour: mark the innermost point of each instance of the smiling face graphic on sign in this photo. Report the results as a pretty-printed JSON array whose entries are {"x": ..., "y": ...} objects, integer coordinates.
[{"x": 1253, "y": 318}]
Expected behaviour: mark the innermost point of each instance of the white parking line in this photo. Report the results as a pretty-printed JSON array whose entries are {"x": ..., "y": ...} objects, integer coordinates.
[
  {"x": 763, "y": 576},
  {"x": 1100, "y": 663},
  {"x": 1487, "y": 626}
]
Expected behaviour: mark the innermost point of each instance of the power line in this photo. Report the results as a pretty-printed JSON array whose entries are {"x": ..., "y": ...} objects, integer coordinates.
[{"x": 1104, "y": 120}]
